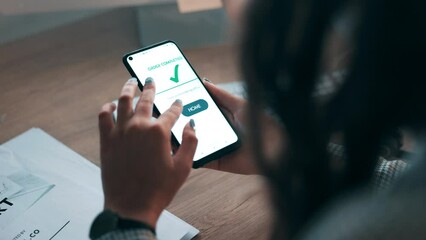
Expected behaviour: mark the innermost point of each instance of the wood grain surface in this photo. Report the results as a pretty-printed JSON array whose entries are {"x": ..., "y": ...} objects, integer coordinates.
[{"x": 58, "y": 80}]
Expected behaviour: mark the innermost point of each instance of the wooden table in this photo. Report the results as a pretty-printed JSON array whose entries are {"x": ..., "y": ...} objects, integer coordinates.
[{"x": 58, "y": 80}]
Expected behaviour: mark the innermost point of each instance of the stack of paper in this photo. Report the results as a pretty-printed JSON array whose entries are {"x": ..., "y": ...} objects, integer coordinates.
[{"x": 47, "y": 191}]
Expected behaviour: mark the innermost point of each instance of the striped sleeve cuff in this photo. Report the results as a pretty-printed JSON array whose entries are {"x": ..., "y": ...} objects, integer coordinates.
[
  {"x": 385, "y": 174},
  {"x": 129, "y": 234}
]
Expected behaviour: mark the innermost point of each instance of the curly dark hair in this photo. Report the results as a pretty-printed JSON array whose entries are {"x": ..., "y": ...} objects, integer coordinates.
[{"x": 384, "y": 90}]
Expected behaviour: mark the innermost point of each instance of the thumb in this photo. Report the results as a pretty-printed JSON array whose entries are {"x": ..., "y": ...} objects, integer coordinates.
[
  {"x": 185, "y": 154},
  {"x": 223, "y": 98}
]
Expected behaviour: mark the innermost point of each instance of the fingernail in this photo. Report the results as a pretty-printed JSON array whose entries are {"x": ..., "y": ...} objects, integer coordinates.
[
  {"x": 178, "y": 101},
  {"x": 132, "y": 80},
  {"x": 207, "y": 80},
  {"x": 192, "y": 123},
  {"x": 149, "y": 80}
]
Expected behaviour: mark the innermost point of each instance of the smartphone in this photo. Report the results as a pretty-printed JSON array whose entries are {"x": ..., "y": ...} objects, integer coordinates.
[{"x": 176, "y": 79}]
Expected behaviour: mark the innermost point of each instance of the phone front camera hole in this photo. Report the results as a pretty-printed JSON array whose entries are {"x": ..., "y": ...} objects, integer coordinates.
[{"x": 130, "y": 58}]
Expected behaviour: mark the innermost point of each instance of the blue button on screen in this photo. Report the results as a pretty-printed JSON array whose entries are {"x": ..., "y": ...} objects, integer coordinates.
[{"x": 194, "y": 107}]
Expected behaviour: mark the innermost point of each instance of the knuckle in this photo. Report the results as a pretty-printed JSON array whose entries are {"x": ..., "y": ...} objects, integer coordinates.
[
  {"x": 191, "y": 137},
  {"x": 176, "y": 110},
  {"x": 148, "y": 90},
  {"x": 146, "y": 100},
  {"x": 157, "y": 129},
  {"x": 128, "y": 89},
  {"x": 194, "y": 140},
  {"x": 134, "y": 126},
  {"x": 172, "y": 113},
  {"x": 124, "y": 99},
  {"x": 104, "y": 113}
]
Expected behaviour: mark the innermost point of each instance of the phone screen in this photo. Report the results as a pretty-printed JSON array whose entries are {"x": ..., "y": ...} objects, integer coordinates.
[{"x": 175, "y": 79}]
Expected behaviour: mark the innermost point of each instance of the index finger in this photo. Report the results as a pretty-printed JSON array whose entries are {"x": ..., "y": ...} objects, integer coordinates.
[{"x": 146, "y": 100}]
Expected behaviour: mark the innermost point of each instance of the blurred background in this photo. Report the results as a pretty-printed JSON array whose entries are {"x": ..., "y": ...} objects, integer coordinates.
[
  {"x": 190, "y": 22},
  {"x": 66, "y": 56}
]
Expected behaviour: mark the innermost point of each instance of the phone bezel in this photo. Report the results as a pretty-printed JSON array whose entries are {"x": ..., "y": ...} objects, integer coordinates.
[{"x": 213, "y": 156}]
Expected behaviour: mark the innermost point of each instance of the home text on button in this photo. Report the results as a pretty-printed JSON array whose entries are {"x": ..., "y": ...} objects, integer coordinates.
[{"x": 194, "y": 107}]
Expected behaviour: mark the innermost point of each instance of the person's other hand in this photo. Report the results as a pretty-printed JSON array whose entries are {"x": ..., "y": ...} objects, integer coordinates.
[
  {"x": 140, "y": 176},
  {"x": 242, "y": 160}
]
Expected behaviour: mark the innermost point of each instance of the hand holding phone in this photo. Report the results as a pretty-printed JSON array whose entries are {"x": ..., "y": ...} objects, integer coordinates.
[{"x": 176, "y": 79}]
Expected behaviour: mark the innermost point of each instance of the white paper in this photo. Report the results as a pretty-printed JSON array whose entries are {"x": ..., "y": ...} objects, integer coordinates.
[
  {"x": 171, "y": 227},
  {"x": 8, "y": 187},
  {"x": 56, "y": 193},
  {"x": 45, "y": 202}
]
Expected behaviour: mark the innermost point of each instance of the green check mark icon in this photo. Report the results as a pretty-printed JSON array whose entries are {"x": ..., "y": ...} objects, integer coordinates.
[{"x": 176, "y": 77}]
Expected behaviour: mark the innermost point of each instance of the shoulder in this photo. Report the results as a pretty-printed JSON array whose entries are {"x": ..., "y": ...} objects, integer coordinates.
[{"x": 397, "y": 213}]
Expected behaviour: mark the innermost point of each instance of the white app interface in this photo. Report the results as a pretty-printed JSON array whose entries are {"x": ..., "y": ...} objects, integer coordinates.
[{"x": 175, "y": 79}]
